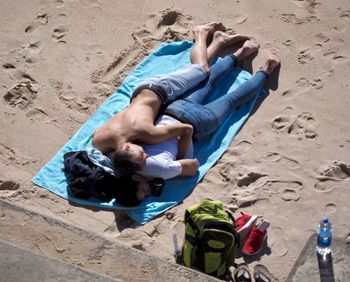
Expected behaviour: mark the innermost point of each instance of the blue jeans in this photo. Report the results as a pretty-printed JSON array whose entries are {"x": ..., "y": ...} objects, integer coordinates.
[
  {"x": 171, "y": 86},
  {"x": 206, "y": 119}
]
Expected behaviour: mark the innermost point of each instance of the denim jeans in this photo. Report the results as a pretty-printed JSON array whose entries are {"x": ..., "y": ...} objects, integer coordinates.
[
  {"x": 206, "y": 119},
  {"x": 173, "y": 85}
]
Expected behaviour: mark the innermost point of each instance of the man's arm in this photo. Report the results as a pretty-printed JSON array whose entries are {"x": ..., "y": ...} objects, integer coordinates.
[
  {"x": 161, "y": 166},
  {"x": 154, "y": 135},
  {"x": 184, "y": 144},
  {"x": 189, "y": 167}
]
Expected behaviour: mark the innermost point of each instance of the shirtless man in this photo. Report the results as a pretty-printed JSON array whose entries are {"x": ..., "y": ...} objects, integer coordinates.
[{"x": 135, "y": 124}]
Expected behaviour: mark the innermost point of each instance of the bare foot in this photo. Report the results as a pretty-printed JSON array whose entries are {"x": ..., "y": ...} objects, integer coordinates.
[
  {"x": 222, "y": 39},
  {"x": 208, "y": 28},
  {"x": 249, "y": 47},
  {"x": 271, "y": 63}
]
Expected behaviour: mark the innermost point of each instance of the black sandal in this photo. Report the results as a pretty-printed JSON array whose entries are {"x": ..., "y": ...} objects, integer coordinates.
[
  {"x": 242, "y": 273},
  {"x": 261, "y": 274}
]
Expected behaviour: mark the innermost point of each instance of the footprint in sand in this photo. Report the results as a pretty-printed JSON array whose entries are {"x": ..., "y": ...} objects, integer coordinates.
[
  {"x": 21, "y": 95},
  {"x": 303, "y": 86},
  {"x": 321, "y": 38},
  {"x": 292, "y": 18},
  {"x": 280, "y": 122},
  {"x": 292, "y": 93},
  {"x": 32, "y": 52},
  {"x": 241, "y": 148},
  {"x": 8, "y": 188},
  {"x": 93, "y": 3},
  {"x": 59, "y": 4},
  {"x": 305, "y": 56},
  {"x": 22, "y": 76},
  {"x": 325, "y": 186},
  {"x": 306, "y": 3},
  {"x": 69, "y": 97},
  {"x": 238, "y": 19},
  {"x": 142, "y": 34},
  {"x": 330, "y": 208},
  {"x": 336, "y": 170},
  {"x": 249, "y": 178},
  {"x": 170, "y": 17},
  {"x": 9, "y": 156},
  {"x": 347, "y": 238},
  {"x": 304, "y": 126},
  {"x": 8, "y": 66},
  {"x": 59, "y": 32},
  {"x": 244, "y": 202},
  {"x": 345, "y": 15},
  {"x": 286, "y": 161},
  {"x": 62, "y": 16},
  {"x": 288, "y": 43},
  {"x": 290, "y": 195},
  {"x": 272, "y": 157},
  {"x": 278, "y": 186},
  {"x": 316, "y": 83},
  {"x": 30, "y": 28},
  {"x": 332, "y": 53},
  {"x": 37, "y": 114},
  {"x": 175, "y": 24},
  {"x": 330, "y": 175},
  {"x": 338, "y": 27},
  {"x": 278, "y": 241},
  {"x": 42, "y": 18}
]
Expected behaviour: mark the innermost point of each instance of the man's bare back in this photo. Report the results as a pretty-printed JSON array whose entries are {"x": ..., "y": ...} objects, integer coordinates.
[{"x": 129, "y": 125}]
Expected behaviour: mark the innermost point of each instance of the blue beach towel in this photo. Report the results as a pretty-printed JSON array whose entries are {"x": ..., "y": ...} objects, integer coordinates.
[{"x": 167, "y": 58}]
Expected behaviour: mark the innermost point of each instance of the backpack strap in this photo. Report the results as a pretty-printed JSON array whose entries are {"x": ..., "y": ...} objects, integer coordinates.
[
  {"x": 193, "y": 225},
  {"x": 235, "y": 233}
]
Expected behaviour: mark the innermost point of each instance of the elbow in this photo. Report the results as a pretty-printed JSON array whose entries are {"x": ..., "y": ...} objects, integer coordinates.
[{"x": 190, "y": 168}]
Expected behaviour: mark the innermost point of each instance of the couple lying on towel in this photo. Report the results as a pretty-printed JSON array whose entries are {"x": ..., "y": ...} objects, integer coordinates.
[{"x": 153, "y": 136}]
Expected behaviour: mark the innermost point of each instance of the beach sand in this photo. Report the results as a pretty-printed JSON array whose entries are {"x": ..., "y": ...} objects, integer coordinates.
[{"x": 290, "y": 163}]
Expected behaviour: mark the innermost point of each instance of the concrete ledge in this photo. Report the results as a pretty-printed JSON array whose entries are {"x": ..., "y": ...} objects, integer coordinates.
[
  {"x": 309, "y": 267},
  {"x": 17, "y": 265},
  {"x": 74, "y": 246}
]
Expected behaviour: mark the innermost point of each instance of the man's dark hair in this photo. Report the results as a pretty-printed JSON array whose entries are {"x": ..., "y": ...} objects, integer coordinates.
[
  {"x": 126, "y": 192},
  {"x": 124, "y": 162}
]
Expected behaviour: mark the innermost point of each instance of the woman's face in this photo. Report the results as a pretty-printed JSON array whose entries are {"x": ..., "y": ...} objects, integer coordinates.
[
  {"x": 139, "y": 153},
  {"x": 144, "y": 188}
]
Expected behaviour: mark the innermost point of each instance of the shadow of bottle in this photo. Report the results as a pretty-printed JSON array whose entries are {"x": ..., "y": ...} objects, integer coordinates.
[{"x": 325, "y": 267}]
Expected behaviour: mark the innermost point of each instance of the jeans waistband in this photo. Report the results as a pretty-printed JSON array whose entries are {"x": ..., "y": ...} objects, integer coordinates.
[
  {"x": 175, "y": 115},
  {"x": 155, "y": 88}
]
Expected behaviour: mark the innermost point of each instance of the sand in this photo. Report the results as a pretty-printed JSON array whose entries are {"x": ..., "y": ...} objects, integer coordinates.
[{"x": 290, "y": 163}]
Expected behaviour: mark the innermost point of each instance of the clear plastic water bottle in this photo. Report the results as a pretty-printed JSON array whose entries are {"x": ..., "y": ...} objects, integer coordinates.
[{"x": 324, "y": 239}]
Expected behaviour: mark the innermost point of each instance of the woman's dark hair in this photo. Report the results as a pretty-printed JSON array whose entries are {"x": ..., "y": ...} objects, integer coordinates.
[
  {"x": 126, "y": 192},
  {"x": 124, "y": 162}
]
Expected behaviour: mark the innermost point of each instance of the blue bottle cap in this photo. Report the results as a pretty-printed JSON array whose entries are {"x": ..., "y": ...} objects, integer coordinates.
[{"x": 325, "y": 220}]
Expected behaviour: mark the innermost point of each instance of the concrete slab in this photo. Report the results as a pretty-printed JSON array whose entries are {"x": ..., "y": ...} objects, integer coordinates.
[
  {"x": 19, "y": 265},
  {"x": 56, "y": 241},
  {"x": 309, "y": 267}
]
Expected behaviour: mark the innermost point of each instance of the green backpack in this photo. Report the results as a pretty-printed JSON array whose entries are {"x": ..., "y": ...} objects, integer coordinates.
[{"x": 210, "y": 239}]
